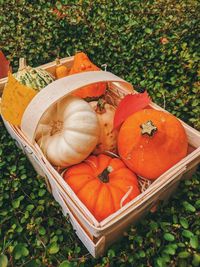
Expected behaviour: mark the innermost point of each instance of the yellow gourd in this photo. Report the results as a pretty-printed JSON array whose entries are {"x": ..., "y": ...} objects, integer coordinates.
[{"x": 61, "y": 70}]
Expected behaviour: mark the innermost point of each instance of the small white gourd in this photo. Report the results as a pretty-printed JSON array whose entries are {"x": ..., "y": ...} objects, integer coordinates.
[
  {"x": 108, "y": 136},
  {"x": 68, "y": 132}
]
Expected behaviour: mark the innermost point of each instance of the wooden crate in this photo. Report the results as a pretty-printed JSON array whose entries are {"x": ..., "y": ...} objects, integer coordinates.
[{"x": 96, "y": 236}]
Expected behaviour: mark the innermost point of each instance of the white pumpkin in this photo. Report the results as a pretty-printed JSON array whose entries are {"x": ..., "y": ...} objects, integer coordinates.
[
  {"x": 68, "y": 132},
  {"x": 108, "y": 136}
]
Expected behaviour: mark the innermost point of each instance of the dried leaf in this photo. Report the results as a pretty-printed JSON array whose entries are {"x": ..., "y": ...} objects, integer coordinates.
[
  {"x": 15, "y": 99},
  {"x": 130, "y": 104}
]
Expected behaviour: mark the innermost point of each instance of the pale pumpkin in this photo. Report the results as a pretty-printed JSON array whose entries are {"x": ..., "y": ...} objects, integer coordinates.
[
  {"x": 68, "y": 132},
  {"x": 108, "y": 136}
]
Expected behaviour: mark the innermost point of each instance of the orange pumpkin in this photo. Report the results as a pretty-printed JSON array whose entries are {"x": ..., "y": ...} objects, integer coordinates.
[
  {"x": 82, "y": 64},
  {"x": 151, "y": 141},
  {"x": 103, "y": 184}
]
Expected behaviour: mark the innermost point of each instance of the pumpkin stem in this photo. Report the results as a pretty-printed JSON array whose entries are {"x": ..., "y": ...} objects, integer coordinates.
[
  {"x": 104, "y": 66},
  {"x": 78, "y": 52},
  {"x": 100, "y": 106},
  {"x": 56, "y": 127},
  {"x": 58, "y": 63},
  {"x": 22, "y": 63},
  {"x": 104, "y": 175},
  {"x": 148, "y": 128}
]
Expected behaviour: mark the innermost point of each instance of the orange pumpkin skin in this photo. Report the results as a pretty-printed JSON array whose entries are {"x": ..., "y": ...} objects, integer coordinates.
[
  {"x": 150, "y": 156},
  {"x": 102, "y": 198},
  {"x": 82, "y": 64}
]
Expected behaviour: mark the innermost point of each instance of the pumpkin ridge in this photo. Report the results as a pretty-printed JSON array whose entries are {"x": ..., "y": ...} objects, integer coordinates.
[
  {"x": 41, "y": 77},
  {"x": 27, "y": 77},
  {"x": 73, "y": 171},
  {"x": 81, "y": 174},
  {"x": 115, "y": 186},
  {"x": 81, "y": 110},
  {"x": 70, "y": 178},
  {"x": 112, "y": 199},
  {"x": 93, "y": 165},
  {"x": 131, "y": 180},
  {"x": 49, "y": 143},
  {"x": 80, "y": 132},
  {"x": 99, "y": 191},
  {"x": 101, "y": 185},
  {"x": 86, "y": 183},
  {"x": 124, "y": 192},
  {"x": 106, "y": 161},
  {"x": 70, "y": 145},
  {"x": 113, "y": 202}
]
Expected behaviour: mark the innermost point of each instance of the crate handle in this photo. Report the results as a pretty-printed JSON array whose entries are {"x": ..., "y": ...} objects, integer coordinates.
[{"x": 56, "y": 91}]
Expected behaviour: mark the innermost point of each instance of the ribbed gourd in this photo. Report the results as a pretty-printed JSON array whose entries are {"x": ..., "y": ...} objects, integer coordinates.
[{"x": 35, "y": 78}]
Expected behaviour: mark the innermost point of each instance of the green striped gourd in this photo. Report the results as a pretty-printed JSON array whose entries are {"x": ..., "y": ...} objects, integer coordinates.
[{"x": 34, "y": 78}]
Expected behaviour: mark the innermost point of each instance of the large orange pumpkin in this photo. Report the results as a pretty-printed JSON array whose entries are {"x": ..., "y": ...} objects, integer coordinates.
[
  {"x": 103, "y": 184},
  {"x": 82, "y": 64},
  {"x": 151, "y": 141}
]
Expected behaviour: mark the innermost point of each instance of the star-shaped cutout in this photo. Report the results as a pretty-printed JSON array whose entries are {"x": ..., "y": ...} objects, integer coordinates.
[{"x": 148, "y": 128}]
